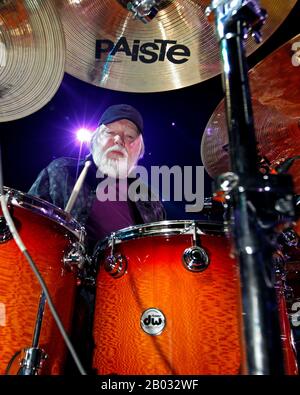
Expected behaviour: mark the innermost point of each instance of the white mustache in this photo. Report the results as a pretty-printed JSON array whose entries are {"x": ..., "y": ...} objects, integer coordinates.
[{"x": 117, "y": 148}]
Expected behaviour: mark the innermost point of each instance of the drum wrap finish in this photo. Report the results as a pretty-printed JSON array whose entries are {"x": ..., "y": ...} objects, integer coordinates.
[
  {"x": 202, "y": 310},
  {"x": 46, "y": 241}
]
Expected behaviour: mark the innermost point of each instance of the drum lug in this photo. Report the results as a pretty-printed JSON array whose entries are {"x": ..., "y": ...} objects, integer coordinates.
[
  {"x": 32, "y": 361},
  {"x": 75, "y": 257},
  {"x": 5, "y": 233},
  {"x": 116, "y": 265},
  {"x": 195, "y": 259}
]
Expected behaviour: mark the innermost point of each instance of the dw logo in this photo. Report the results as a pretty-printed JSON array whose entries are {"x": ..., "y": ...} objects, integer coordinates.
[
  {"x": 153, "y": 321},
  {"x": 296, "y": 56}
]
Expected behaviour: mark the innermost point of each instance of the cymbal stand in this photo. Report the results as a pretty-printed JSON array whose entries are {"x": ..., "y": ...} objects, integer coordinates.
[
  {"x": 34, "y": 356},
  {"x": 255, "y": 200}
]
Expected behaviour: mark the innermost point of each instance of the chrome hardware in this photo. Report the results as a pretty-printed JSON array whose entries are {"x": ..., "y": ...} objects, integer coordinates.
[
  {"x": 145, "y": 10},
  {"x": 224, "y": 186},
  {"x": 112, "y": 246},
  {"x": 162, "y": 228},
  {"x": 194, "y": 229},
  {"x": 115, "y": 265},
  {"x": 226, "y": 182},
  {"x": 195, "y": 259},
  {"x": 75, "y": 257},
  {"x": 82, "y": 235},
  {"x": 32, "y": 361},
  {"x": 5, "y": 233},
  {"x": 226, "y": 10}
]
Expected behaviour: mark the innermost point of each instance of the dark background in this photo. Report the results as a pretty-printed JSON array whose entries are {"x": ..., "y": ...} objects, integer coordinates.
[{"x": 29, "y": 144}]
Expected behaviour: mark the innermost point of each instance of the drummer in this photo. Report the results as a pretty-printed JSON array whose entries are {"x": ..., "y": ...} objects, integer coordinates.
[{"x": 116, "y": 146}]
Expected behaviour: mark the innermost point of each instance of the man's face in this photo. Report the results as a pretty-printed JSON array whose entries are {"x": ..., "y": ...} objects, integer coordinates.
[{"x": 116, "y": 148}]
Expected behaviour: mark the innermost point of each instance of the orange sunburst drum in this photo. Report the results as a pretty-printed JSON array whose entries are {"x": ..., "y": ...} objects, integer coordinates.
[
  {"x": 49, "y": 235},
  {"x": 168, "y": 302}
]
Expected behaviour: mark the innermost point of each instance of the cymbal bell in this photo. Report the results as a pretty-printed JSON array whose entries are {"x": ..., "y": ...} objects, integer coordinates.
[
  {"x": 106, "y": 47},
  {"x": 32, "y": 56},
  {"x": 275, "y": 91}
]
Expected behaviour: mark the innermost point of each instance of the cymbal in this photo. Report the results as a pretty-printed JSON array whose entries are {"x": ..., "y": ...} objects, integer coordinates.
[
  {"x": 32, "y": 56},
  {"x": 275, "y": 91},
  {"x": 134, "y": 57}
]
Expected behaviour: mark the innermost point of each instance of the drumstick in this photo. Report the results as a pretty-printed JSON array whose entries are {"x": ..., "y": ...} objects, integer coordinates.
[{"x": 77, "y": 187}]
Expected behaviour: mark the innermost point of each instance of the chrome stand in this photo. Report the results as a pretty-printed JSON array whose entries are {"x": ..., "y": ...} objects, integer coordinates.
[
  {"x": 256, "y": 200},
  {"x": 32, "y": 361},
  {"x": 34, "y": 356}
]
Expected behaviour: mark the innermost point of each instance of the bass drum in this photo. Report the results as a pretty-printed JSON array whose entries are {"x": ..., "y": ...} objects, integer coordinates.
[
  {"x": 167, "y": 301},
  {"x": 50, "y": 236}
]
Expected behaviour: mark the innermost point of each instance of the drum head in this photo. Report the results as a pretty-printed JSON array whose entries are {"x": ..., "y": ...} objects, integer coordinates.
[
  {"x": 161, "y": 228},
  {"x": 45, "y": 209}
]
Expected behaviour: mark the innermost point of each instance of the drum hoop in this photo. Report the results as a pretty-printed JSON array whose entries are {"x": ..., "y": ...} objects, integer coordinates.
[
  {"x": 45, "y": 209},
  {"x": 161, "y": 228}
]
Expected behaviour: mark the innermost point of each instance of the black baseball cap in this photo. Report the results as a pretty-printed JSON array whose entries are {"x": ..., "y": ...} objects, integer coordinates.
[{"x": 122, "y": 111}]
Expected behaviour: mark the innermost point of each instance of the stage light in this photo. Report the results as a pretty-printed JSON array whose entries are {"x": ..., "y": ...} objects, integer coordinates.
[{"x": 84, "y": 135}]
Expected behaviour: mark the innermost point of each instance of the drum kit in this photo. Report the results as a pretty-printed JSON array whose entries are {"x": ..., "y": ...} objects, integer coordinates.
[{"x": 172, "y": 297}]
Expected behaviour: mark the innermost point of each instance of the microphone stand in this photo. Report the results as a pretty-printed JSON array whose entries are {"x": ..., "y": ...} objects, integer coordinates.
[{"x": 256, "y": 200}]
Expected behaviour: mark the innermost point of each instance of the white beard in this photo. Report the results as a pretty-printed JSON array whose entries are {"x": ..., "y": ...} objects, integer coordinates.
[{"x": 116, "y": 168}]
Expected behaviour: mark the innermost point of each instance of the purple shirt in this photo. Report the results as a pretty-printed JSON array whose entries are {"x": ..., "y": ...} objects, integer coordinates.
[{"x": 109, "y": 216}]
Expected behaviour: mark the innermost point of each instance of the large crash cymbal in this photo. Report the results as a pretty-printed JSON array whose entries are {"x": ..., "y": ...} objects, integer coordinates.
[
  {"x": 275, "y": 89},
  {"x": 131, "y": 60},
  {"x": 32, "y": 56}
]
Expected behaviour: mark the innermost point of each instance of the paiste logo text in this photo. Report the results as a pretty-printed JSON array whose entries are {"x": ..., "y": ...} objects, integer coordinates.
[{"x": 146, "y": 52}]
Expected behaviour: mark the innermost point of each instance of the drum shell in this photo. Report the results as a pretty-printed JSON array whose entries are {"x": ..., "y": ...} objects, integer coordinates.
[
  {"x": 293, "y": 300},
  {"x": 288, "y": 294},
  {"x": 46, "y": 241},
  {"x": 202, "y": 310}
]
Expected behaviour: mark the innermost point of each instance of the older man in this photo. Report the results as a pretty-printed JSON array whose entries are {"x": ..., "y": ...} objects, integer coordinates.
[{"x": 116, "y": 146}]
